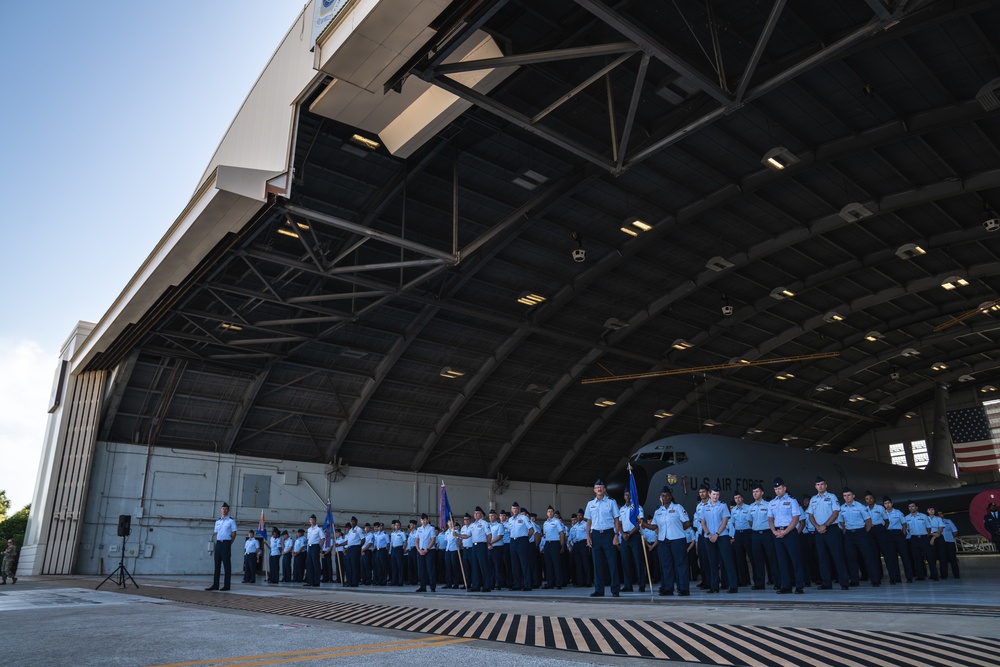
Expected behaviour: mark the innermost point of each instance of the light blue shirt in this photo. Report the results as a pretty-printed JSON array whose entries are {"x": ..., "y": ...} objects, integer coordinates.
[
  {"x": 552, "y": 528},
  {"x": 784, "y": 510},
  {"x": 714, "y": 516},
  {"x": 669, "y": 521},
  {"x": 275, "y": 544},
  {"x": 740, "y": 517},
  {"x": 497, "y": 531},
  {"x": 520, "y": 526},
  {"x": 397, "y": 538},
  {"x": 224, "y": 529},
  {"x": 623, "y": 516},
  {"x": 879, "y": 516},
  {"x": 855, "y": 515},
  {"x": 916, "y": 524},
  {"x": 936, "y": 523},
  {"x": 950, "y": 530},
  {"x": 425, "y": 537},
  {"x": 822, "y": 506},
  {"x": 354, "y": 537},
  {"x": 601, "y": 514},
  {"x": 758, "y": 515},
  {"x": 895, "y": 519},
  {"x": 381, "y": 540}
]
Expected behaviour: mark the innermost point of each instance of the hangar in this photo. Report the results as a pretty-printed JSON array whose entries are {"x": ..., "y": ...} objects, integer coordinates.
[{"x": 431, "y": 221}]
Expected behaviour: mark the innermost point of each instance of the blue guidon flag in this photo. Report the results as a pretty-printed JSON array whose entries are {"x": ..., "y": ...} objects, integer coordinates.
[
  {"x": 633, "y": 508},
  {"x": 328, "y": 527},
  {"x": 444, "y": 508}
]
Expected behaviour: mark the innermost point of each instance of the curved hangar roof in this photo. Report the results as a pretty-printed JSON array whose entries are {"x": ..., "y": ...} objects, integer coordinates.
[{"x": 428, "y": 313}]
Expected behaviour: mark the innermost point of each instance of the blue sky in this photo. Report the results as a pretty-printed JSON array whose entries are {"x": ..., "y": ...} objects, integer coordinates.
[{"x": 111, "y": 112}]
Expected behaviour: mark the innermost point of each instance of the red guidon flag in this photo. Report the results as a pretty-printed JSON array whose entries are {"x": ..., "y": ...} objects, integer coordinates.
[{"x": 975, "y": 449}]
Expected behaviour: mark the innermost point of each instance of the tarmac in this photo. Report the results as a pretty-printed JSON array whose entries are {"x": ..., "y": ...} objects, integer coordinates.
[{"x": 173, "y": 621}]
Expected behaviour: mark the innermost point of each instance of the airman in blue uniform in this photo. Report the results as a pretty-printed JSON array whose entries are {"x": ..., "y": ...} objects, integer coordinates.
[
  {"x": 917, "y": 527},
  {"x": 630, "y": 544},
  {"x": 522, "y": 534},
  {"x": 857, "y": 522},
  {"x": 742, "y": 539},
  {"x": 424, "y": 544},
  {"x": 783, "y": 515},
  {"x": 603, "y": 526},
  {"x": 822, "y": 514},
  {"x": 555, "y": 543},
  {"x": 897, "y": 537},
  {"x": 879, "y": 535},
  {"x": 950, "y": 548},
  {"x": 670, "y": 521},
  {"x": 714, "y": 522},
  {"x": 762, "y": 539}
]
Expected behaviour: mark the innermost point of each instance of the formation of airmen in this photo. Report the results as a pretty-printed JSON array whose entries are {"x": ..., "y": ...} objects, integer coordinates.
[{"x": 781, "y": 542}]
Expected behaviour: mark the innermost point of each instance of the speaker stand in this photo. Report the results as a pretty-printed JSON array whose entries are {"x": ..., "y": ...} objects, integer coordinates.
[{"x": 121, "y": 572}]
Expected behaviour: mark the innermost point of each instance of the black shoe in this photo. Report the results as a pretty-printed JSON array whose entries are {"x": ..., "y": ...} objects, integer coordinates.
[
  {"x": 420, "y": 590},
  {"x": 684, "y": 594},
  {"x": 433, "y": 589},
  {"x": 799, "y": 591},
  {"x": 642, "y": 590},
  {"x": 224, "y": 588},
  {"x": 876, "y": 584},
  {"x": 909, "y": 581},
  {"x": 614, "y": 595},
  {"x": 527, "y": 590},
  {"x": 934, "y": 579},
  {"x": 666, "y": 593},
  {"x": 756, "y": 588},
  {"x": 210, "y": 588},
  {"x": 784, "y": 591},
  {"x": 595, "y": 594},
  {"x": 824, "y": 587},
  {"x": 547, "y": 587},
  {"x": 844, "y": 588},
  {"x": 734, "y": 590}
]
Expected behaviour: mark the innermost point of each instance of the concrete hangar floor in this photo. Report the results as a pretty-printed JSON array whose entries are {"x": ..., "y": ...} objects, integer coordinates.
[{"x": 173, "y": 621}]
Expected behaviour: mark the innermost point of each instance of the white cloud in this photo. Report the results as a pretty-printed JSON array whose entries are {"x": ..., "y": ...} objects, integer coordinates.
[{"x": 26, "y": 372}]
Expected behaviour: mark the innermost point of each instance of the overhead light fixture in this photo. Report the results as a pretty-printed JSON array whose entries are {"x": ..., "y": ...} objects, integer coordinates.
[
  {"x": 285, "y": 231},
  {"x": 738, "y": 360},
  {"x": 784, "y": 376},
  {"x": 909, "y": 251},
  {"x": 882, "y": 407},
  {"x": 662, "y": 414},
  {"x": 855, "y": 211},
  {"x": 451, "y": 373},
  {"x": 823, "y": 387},
  {"x": 302, "y": 225},
  {"x": 987, "y": 389},
  {"x": 992, "y": 224},
  {"x": 780, "y": 293},
  {"x": 789, "y": 438},
  {"x": 681, "y": 344},
  {"x": 754, "y": 430},
  {"x": 910, "y": 415},
  {"x": 604, "y": 402},
  {"x": 833, "y": 316},
  {"x": 710, "y": 423},
  {"x": 850, "y": 450},
  {"x": 966, "y": 378},
  {"x": 614, "y": 324},
  {"x": 370, "y": 144},
  {"x": 530, "y": 298},
  {"x": 909, "y": 352},
  {"x": 856, "y": 398},
  {"x": 954, "y": 282},
  {"x": 987, "y": 307},
  {"x": 718, "y": 264},
  {"x": 873, "y": 336},
  {"x": 939, "y": 366},
  {"x": 988, "y": 95},
  {"x": 530, "y": 179},
  {"x": 231, "y": 327},
  {"x": 779, "y": 158},
  {"x": 635, "y": 226}
]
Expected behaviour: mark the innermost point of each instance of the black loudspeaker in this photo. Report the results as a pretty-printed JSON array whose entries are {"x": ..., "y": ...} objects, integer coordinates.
[{"x": 124, "y": 525}]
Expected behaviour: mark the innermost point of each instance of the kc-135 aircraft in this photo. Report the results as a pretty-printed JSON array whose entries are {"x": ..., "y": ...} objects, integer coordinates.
[{"x": 684, "y": 462}]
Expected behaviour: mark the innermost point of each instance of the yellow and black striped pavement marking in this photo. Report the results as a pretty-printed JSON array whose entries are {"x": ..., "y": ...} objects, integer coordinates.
[
  {"x": 321, "y": 653},
  {"x": 707, "y": 643}
]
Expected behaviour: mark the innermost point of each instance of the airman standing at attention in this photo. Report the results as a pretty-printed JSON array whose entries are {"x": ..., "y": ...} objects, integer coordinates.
[
  {"x": 630, "y": 546},
  {"x": 584, "y": 562},
  {"x": 274, "y": 556},
  {"x": 251, "y": 554},
  {"x": 555, "y": 545},
  {"x": 917, "y": 527},
  {"x": 857, "y": 522},
  {"x": 783, "y": 515},
  {"x": 225, "y": 533},
  {"x": 807, "y": 533},
  {"x": 696, "y": 524},
  {"x": 479, "y": 530},
  {"x": 714, "y": 521},
  {"x": 764, "y": 559},
  {"x": 424, "y": 544},
  {"x": 603, "y": 527},
  {"x": 522, "y": 533},
  {"x": 879, "y": 535},
  {"x": 670, "y": 521},
  {"x": 936, "y": 541},
  {"x": 367, "y": 555},
  {"x": 950, "y": 548},
  {"x": 287, "y": 544},
  {"x": 352, "y": 560},
  {"x": 380, "y": 561},
  {"x": 494, "y": 551},
  {"x": 299, "y": 557},
  {"x": 397, "y": 545},
  {"x": 314, "y": 538},
  {"x": 822, "y": 514},
  {"x": 897, "y": 537},
  {"x": 742, "y": 539}
]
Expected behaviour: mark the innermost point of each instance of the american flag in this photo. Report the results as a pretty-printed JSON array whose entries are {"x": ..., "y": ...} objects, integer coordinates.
[{"x": 975, "y": 450}]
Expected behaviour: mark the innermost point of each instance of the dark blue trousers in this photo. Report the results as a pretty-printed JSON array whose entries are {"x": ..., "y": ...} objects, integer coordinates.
[
  {"x": 477, "y": 559},
  {"x": 789, "y": 560},
  {"x": 553, "y": 566},
  {"x": 830, "y": 549},
  {"x": 673, "y": 565},
  {"x": 313, "y": 565},
  {"x": 519, "y": 562},
  {"x": 426, "y": 570},
  {"x": 764, "y": 558},
  {"x": 223, "y": 560},
  {"x": 286, "y": 566},
  {"x": 604, "y": 560},
  {"x": 720, "y": 552}
]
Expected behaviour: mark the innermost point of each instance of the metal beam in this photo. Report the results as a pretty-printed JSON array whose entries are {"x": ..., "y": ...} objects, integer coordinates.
[
  {"x": 758, "y": 49},
  {"x": 537, "y": 57},
  {"x": 653, "y": 47},
  {"x": 242, "y": 410},
  {"x": 580, "y": 87}
]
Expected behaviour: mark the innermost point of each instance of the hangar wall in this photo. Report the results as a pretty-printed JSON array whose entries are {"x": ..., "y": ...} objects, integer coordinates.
[{"x": 174, "y": 496}]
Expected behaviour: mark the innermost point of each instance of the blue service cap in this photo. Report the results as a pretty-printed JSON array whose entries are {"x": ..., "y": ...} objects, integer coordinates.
[
  {"x": 819, "y": 479},
  {"x": 703, "y": 486},
  {"x": 479, "y": 509},
  {"x": 424, "y": 515},
  {"x": 599, "y": 482},
  {"x": 778, "y": 482},
  {"x": 847, "y": 489},
  {"x": 886, "y": 498},
  {"x": 715, "y": 487},
  {"x": 667, "y": 489},
  {"x": 755, "y": 486}
]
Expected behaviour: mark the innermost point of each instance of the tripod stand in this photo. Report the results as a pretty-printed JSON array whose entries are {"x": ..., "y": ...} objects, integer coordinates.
[{"x": 121, "y": 572}]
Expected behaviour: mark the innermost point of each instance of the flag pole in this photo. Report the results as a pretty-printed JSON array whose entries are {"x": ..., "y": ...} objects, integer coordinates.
[{"x": 642, "y": 538}]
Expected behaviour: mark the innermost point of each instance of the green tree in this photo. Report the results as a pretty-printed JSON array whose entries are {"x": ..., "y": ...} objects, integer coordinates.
[
  {"x": 4, "y": 504},
  {"x": 14, "y": 527}
]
